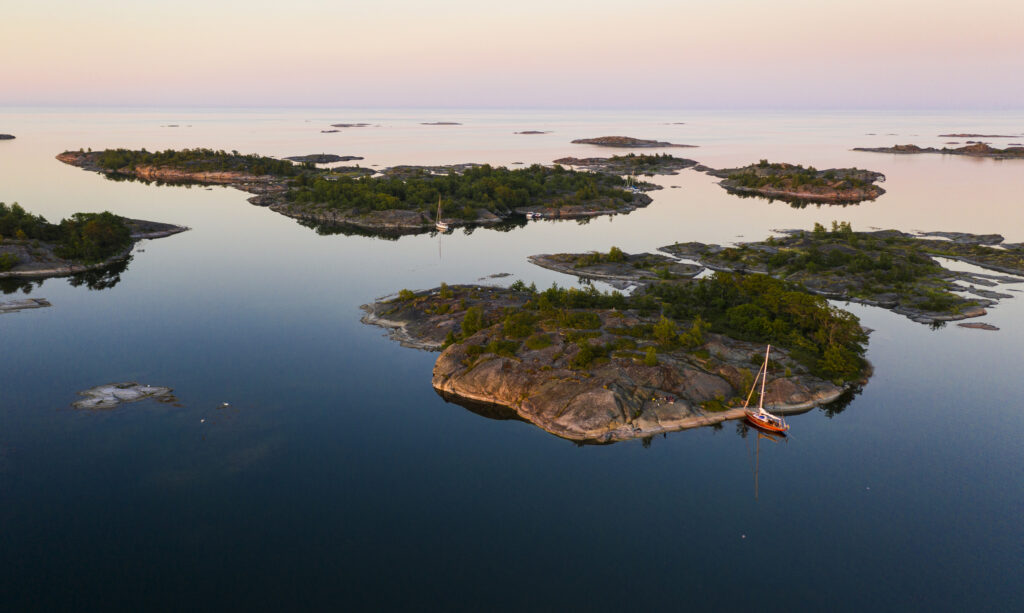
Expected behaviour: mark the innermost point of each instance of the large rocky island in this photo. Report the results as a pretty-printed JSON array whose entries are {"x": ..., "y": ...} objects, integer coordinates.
[
  {"x": 798, "y": 185},
  {"x": 402, "y": 199},
  {"x": 598, "y": 367},
  {"x": 31, "y": 247},
  {"x": 976, "y": 150},
  {"x": 886, "y": 268}
]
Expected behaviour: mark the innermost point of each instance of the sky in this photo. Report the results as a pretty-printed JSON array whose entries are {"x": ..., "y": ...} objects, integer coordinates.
[{"x": 778, "y": 54}]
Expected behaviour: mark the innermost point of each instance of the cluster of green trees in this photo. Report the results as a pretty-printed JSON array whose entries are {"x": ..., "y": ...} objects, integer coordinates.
[
  {"x": 643, "y": 161},
  {"x": 596, "y": 257},
  {"x": 87, "y": 237},
  {"x": 785, "y": 176},
  {"x": 19, "y": 224},
  {"x": 496, "y": 189},
  {"x": 198, "y": 160},
  {"x": 752, "y": 307},
  {"x": 92, "y": 237},
  {"x": 758, "y": 308}
]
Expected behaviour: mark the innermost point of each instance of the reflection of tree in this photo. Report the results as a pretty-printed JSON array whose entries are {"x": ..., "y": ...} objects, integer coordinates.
[
  {"x": 835, "y": 408},
  {"x": 14, "y": 284},
  {"x": 937, "y": 325},
  {"x": 103, "y": 278},
  {"x": 796, "y": 203}
]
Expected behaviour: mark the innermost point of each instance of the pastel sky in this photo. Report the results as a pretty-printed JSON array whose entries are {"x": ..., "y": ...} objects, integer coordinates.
[{"x": 520, "y": 53}]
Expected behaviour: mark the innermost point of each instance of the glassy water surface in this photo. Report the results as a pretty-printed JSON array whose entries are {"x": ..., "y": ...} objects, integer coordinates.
[{"x": 338, "y": 477}]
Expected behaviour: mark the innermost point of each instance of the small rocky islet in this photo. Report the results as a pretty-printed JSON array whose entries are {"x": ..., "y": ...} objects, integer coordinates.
[
  {"x": 6, "y": 137},
  {"x": 625, "y": 142},
  {"x": 975, "y": 150},
  {"x": 799, "y": 185},
  {"x": 599, "y": 367}
]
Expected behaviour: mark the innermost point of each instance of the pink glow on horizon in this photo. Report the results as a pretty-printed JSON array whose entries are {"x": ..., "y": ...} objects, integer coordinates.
[{"x": 731, "y": 53}]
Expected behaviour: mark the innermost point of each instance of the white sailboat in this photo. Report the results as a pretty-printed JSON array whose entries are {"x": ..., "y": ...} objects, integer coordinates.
[
  {"x": 761, "y": 418},
  {"x": 440, "y": 225}
]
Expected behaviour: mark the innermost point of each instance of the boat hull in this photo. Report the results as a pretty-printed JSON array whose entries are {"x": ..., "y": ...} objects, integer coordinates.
[{"x": 760, "y": 421}]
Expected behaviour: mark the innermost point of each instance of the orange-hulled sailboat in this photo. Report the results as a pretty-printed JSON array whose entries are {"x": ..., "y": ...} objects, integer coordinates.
[{"x": 760, "y": 418}]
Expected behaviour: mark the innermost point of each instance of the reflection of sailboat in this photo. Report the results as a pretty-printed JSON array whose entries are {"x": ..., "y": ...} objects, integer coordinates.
[
  {"x": 440, "y": 225},
  {"x": 757, "y": 453},
  {"x": 761, "y": 418}
]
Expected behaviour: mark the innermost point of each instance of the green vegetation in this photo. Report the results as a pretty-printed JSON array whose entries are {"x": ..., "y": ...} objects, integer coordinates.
[
  {"x": 789, "y": 176},
  {"x": 198, "y": 160},
  {"x": 595, "y": 257},
  {"x": 85, "y": 237},
  {"x": 7, "y": 261},
  {"x": 829, "y": 342},
  {"x": 884, "y": 266},
  {"x": 758, "y": 308},
  {"x": 464, "y": 194}
]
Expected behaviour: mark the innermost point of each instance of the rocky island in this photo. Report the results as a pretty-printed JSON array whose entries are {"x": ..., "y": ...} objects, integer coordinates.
[
  {"x": 624, "y": 141},
  {"x": 975, "y": 150},
  {"x": 798, "y": 185},
  {"x": 6, "y": 137},
  {"x": 322, "y": 158},
  {"x": 600, "y": 367},
  {"x": 632, "y": 164},
  {"x": 31, "y": 247},
  {"x": 964, "y": 135},
  {"x": 398, "y": 200},
  {"x": 886, "y": 268},
  {"x": 112, "y": 395},
  {"x": 618, "y": 268}
]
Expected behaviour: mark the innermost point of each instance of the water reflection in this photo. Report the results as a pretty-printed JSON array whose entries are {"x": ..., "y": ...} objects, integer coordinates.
[
  {"x": 99, "y": 279},
  {"x": 798, "y": 203}
]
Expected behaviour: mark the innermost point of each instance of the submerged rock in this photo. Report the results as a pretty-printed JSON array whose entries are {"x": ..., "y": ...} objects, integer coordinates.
[
  {"x": 13, "y": 306},
  {"x": 113, "y": 394}
]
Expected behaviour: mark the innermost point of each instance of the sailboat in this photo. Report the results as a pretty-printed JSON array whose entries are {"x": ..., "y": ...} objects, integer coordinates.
[
  {"x": 440, "y": 225},
  {"x": 761, "y": 418}
]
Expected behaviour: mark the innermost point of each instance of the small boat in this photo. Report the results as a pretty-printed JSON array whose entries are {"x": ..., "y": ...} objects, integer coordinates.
[
  {"x": 534, "y": 215},
  {"x": 440, "y": 225},
  {"x": 763, "y": 419}
]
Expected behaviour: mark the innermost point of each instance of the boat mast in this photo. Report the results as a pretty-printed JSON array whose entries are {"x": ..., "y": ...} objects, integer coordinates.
[{"x": 764, "y": 379}]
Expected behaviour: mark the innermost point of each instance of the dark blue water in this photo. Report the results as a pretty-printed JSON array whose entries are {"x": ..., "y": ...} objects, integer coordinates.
[{"x": 338, "y": 479}]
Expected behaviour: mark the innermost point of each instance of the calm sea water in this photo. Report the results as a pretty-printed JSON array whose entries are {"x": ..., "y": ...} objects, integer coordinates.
[{"x": 338, "y": 478}]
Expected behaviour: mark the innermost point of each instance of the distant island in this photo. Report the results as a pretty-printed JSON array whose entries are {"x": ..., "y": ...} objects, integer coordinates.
[
  {"x": 400, "y": 199},
  {"x": 979, "y": 136},
  {"x": 886, "y": 268},
  {"x": 975, "y": 150},
  {"x": 6, "y": 137},
  {"x": 533, "y": 132},
  {"x": 796, "y": 184},
  {"x": 323, "y": 158},
  {"x": 350, "y": 125},
  {"x": 600, "y": 367},
  {"x": 630, "y": 164},
  {"x": 624, "y": 141},
  {"x": 32, "y": 247},
  {"x": 440, "y": 123}
]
